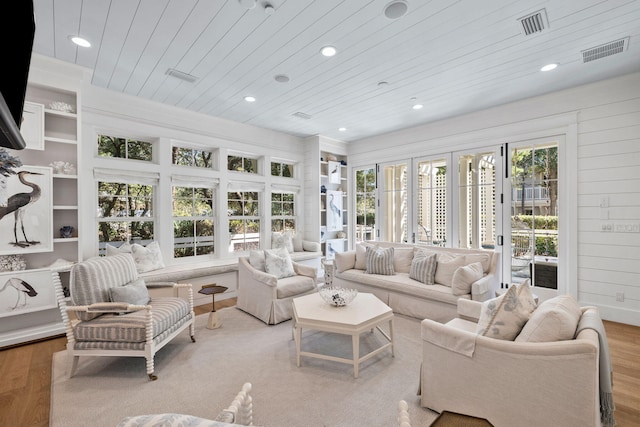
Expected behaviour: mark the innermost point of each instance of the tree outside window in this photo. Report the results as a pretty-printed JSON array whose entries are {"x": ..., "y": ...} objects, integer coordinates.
[
  {"x": 125, "y": 213},
  {"x": 193, "y": 221},
  {"x": 242, "y": 164},
  {"x": 282, "y": 169},
  {"x": 283, "y": 212},
  {"x": 191, "y": 157},
  {"x": 244, "y": 220},
  {"x": 124, "y": 148}
]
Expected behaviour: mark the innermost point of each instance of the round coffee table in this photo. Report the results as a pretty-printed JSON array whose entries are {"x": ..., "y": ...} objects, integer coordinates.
[{"x": 213, "y": 289}]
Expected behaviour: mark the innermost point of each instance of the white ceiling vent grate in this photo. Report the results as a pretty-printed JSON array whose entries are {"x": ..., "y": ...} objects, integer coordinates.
[
  {"x": 302, "y": 115},
  {"x": 181, "y": 75},
  {"x": 607, "y": 49},
  {"x": 535, "y": 22}
]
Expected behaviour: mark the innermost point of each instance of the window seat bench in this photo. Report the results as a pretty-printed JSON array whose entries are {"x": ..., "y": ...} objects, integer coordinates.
[{"x": 223, "y": 272}]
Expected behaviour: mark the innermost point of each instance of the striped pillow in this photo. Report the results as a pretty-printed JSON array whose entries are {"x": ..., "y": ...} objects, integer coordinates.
[
  {"x": 379, "y": 261},
  {"x": 423, "y": 268}
]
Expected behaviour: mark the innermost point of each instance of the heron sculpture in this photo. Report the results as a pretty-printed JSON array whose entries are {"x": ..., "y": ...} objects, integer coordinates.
[
  {"x": 24, "y": 289},
  {"x": 17, "y": 204}
]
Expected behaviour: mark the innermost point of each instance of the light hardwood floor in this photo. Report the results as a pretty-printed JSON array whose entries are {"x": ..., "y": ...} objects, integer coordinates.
[{"x": 25, "y": 376}]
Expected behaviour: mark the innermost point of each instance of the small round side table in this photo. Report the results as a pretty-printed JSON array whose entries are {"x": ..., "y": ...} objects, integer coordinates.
[{"x": 213, "y": 289}]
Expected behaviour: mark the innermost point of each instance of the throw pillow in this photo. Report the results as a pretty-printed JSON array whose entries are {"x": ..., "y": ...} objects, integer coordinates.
[
  {"x": 278, "y": 263},
  {"x": 361, "y": 255},
  {"x": 445, "y": 269},
  {"x": 484, "y": 259},
  {"x": 464, "y": 277},
  {"x": 115, "y": 250},
  {"x": 555, "y": 319},
  {"x": 297, "y": 243},
  {"x": 379, "y": 261},
  {"x": 256, "y": 259},
  {"x": 147, "y": 258},
  {"x": 132, "y": 293},
  {"x": 503, "y": 317},
  {"x": 282, "y": 240},
  {"x": 423, "y": 268},
  {"x": 402, "y": 258}
]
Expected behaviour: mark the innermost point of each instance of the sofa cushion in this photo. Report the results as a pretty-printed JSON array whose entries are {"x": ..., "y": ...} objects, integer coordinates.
[
  {"x": 282, "y": 239},
  {"x": 344, "y": 261},
  {"x": 402, "y": 258},
  {"x": 445, "y": 269},
  {"x": 147, "y": 258},
  {"x": 278, "y": 262},
  {"x": 400, "y": 283},
  {"x": 132, "y": 293},
  {"x": 124, "y": 248},
  {"x": 294, "y": 285},
  {"x": 504, "y": 317},
  {"x": 379, "y": 260},
  {"x": 464, "y": 277},
  {"x": 423, "y": 268},
  {"x": 555, "y": 319},
  {"x": 484, "y": 259},
  {"x": 297, "y": 243},
  {"x": 361, "y": 254},
  {"x": 256, "y": 259}
]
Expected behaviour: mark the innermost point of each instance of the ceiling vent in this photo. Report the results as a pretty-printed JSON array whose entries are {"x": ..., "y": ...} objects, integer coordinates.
[
  {"x": 535, "y": 22},
  {"x": 302, "y": 115},
  {"x": 607, "y": 49},
  {"x": 181, "y": 75}
]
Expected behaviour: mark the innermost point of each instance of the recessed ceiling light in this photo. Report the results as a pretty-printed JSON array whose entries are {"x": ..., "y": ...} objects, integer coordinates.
[
  {"x": 281, "y": 78},
  {"x": 328, "y": 51},
  {"x": 250, "y": 99},
  {"x": 80, "y": 41},
  {"x": 417, "y": 106},
  {"x": 342, "y": 129},
  {"x": 396, "y": 9},
  {"x": 549, "y": 67}
]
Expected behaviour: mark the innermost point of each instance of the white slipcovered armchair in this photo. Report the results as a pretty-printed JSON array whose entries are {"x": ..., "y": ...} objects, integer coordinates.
[
  {"x": 114, "y": 315},
  {"x": 267, "y": 297},
  {"x": 511, "y": 383}
]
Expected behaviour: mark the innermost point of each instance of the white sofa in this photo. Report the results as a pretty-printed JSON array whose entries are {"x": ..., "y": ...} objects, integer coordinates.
[{"x": 408, "y": 296}]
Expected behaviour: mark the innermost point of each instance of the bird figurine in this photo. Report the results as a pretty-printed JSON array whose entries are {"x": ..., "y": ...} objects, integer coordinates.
[
  {"x": 23, "y": 288},
  {"x": 17, "y": 203}
]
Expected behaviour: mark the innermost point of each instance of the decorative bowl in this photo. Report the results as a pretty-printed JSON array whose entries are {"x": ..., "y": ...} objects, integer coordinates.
[{"x": 338, "y": 297}]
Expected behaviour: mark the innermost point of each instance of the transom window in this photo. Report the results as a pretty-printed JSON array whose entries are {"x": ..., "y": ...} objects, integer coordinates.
[
  {"x": 242, "y": 164},
  {"x": 193, "y": 221},
  {"x": 282, "y": 169},
  {"x": 244, "y": 220},
  {"x": 192, "y": 157},
  {"x": 124, "y": 148},
  {"x": 125, "y": 213},
  {"x": 283, "y": 212}
]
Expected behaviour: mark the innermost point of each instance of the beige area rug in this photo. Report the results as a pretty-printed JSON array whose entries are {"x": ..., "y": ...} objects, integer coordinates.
[{"x": 202, "y": 378}]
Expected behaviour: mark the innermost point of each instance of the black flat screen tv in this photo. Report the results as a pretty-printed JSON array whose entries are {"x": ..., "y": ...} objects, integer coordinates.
[{"x": 17, "y": 47}]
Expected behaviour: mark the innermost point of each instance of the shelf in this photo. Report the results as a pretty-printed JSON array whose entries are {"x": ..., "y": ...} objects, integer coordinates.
[
  {"x": 60, "y": 113},
  {"x": 65, "y": 239},
  {"x": 65, "y": 207},
  {"x": 65, "y": 176},
  {"x": 61, "y": 140}
]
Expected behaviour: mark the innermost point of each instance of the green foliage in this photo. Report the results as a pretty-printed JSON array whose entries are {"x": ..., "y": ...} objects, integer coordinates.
[
  {"x": 547, "y": 245},
  {"x": 109, "y": 146},
  {"x": 542, "y": 222},
  {"x": 191, "y": 157},
  {"x": 242, "y": 164}
]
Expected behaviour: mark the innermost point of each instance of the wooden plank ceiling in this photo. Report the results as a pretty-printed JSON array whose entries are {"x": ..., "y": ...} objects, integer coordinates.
[{"x": 453, "y": 57}]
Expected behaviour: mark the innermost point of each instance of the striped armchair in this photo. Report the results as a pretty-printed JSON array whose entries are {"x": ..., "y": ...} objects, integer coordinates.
[{"x": 113, "y": 314}]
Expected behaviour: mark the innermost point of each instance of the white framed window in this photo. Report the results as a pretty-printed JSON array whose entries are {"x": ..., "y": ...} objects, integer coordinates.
[
  {"x": 125, "y": 210},
  {"x": 192, "y": 157},
  {"x": 282, "y": 168},
  {"x": 242, "y": 163},
  {"x": 244, "y": 213},
  {"x": 283, "y": 211},
  {"x": 124, "y": 148},
  {"x": 193, "y": 217}
]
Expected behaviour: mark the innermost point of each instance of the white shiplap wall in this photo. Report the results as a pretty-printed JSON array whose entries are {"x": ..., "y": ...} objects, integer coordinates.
[{"x": 607, "y": 143}]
